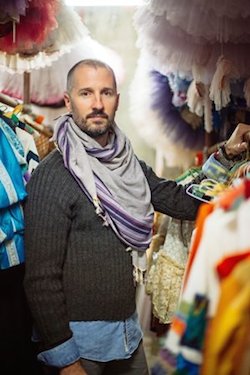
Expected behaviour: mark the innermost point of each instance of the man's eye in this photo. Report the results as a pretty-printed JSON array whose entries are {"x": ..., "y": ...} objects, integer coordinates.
[{"x": 108, "y": 93}]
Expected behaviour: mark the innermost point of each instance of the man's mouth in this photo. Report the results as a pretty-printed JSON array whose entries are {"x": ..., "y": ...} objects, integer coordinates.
[{"x": 97, "y": 115}]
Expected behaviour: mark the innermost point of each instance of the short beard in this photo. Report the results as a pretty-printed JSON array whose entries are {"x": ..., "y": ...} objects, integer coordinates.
[
  {"x": 93, "y": 133},
  {"x": 97, "y": 132}
]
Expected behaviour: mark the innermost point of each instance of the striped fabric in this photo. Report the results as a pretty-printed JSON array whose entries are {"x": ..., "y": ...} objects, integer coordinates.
[
  {"x": 11, "y": 179},
  {"x": 213, "y": 169},
  {"x": 112, "y": 178},
  {"x": 12, "y": 193},
  {"x": 11, "y": 236},
  {"x": 16, "y": 146},
  {"x": 133, "y": 232}
]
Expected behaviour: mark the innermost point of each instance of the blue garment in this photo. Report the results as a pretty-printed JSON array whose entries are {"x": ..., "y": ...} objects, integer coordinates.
[
  {"x": 16, "y": 145},
  {"x": 12, "y": 193},
  {"x": 101, "y": 341},
  {"x": 11, "y": 183},
  {"x": 213, "y": 169}
]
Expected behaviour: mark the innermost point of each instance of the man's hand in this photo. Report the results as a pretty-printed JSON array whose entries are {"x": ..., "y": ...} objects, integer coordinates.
[
  {"x": 238, "y": 142},
  {"x": 74, "y": 369}
]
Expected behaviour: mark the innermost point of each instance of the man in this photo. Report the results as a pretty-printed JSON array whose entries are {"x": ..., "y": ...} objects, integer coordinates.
[{"x": 89, "y": 216}]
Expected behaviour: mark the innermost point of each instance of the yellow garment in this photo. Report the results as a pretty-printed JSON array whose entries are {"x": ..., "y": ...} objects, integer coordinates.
[
  {"x": 164, "y": 284},
  {"x": 228, "y": 333},
  {"x": 164, "y": 280}
]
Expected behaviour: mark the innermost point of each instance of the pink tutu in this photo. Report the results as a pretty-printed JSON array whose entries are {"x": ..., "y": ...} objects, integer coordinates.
[{"x": 33, "y": 27}]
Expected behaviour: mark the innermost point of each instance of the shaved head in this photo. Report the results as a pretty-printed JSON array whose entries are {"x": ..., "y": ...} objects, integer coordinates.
[{"x": 91, "y": 63}]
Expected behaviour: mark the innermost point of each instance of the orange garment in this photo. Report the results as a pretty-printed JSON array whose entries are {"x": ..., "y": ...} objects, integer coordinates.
[{"x": 204, "y": 210}]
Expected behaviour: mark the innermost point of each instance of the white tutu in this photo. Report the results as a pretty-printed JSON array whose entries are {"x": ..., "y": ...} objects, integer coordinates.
[
  {"x": 48, "y": 84},
  {"x": 230, "y": 8},
  {"x": 172, "y": 42}
]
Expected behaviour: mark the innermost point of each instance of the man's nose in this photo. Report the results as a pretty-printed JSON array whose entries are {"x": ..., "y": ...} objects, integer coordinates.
[{"x": 98, "y": 104}]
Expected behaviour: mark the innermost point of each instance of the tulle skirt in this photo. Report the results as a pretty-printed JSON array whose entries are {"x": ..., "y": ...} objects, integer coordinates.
[{"x": 39, "y": 49}]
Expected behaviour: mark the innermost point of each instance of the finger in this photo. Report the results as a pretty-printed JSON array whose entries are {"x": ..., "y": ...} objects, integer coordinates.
[
  {"x": 246, "y": 137},
  {"x": 239, "y": 148}
]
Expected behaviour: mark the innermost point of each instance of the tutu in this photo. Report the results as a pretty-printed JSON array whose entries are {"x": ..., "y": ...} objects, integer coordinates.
[
  {"x": 49, "y": 83},
  {"x": 150, "y": 125},
  {"x": 33, "y": 27},
  {"x": 228, "y": 8},
  {"x": 186, "y": 39},
  {"x": 204, "y": 20},
  {"x": 69, "y": 31},
  {"x": 220, "y": 85},
  {"x": 174, "y": 126},
  {"x": 13, "y": 9}
]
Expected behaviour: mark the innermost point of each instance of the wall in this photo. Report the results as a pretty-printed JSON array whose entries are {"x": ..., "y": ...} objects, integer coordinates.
[{"x": 113, "y": 27}]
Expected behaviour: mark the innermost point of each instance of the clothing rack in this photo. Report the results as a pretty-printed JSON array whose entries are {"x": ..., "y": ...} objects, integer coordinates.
[{"x": 27, "y": 115}]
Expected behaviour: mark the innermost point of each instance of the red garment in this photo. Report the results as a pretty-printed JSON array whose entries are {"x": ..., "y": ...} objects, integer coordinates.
[{"x": 227, "y": 264}]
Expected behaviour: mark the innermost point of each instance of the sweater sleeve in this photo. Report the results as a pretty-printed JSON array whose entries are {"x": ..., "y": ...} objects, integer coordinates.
[
  {"x": 171, "y": 198},
  {"x": 47, "y": 223}
]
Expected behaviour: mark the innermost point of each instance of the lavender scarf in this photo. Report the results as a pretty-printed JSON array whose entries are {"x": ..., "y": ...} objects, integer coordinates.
[{"x": 113, "y": 180}]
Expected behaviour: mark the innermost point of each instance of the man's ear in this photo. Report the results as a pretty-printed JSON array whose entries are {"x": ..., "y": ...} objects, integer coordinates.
[
  {"x": 117, "y": 101},
  {"x": 67, "y": 101}
]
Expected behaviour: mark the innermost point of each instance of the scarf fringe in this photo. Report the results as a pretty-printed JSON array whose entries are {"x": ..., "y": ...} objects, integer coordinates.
[
  {"x": 139, "y": 260},
  {"x": 139, "y": 276},
  {"x": 99, "y": 211}
]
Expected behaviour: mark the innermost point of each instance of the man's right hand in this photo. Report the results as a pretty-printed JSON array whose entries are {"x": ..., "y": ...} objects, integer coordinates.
[{"x": 73, "y": 369}]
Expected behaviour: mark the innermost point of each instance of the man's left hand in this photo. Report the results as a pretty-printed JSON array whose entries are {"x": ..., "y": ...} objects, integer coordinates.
[{"x": 238, "y": 142}]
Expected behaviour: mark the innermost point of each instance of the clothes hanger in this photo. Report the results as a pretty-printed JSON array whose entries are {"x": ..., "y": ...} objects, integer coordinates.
[{"x": 25, "y": 115}]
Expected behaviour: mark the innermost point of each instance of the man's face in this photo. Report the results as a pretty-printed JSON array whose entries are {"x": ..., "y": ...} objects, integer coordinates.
[{"x": 93, "y": 101}]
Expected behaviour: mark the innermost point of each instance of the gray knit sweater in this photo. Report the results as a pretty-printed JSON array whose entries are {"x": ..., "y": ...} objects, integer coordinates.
[{"x": 76, "y": 268}]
